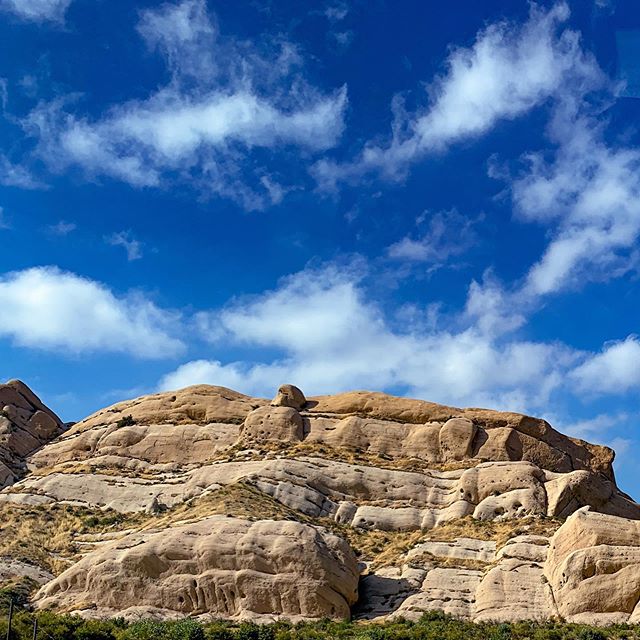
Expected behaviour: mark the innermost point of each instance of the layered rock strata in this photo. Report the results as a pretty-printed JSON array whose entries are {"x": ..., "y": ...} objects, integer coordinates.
[{"x": 365, "y": 467}]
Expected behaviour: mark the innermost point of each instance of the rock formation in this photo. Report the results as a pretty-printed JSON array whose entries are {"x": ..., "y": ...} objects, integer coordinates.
[
  {"x": 221, "y": 566},
  {"x": 25, "y": 425},
  {"x": 243, "y": 507}
]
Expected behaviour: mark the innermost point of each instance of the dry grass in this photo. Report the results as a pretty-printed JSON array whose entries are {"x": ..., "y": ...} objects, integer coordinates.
[
  {"x": 91, "y": 467},
  {"x": 238, "y": 499},
  {"x": 384, "y": 548},
  {"x": 339, "y": 454},
  {"x": 498, "y": 530},
  {"x": 45, "y": 535},
  {"x": 51, "y": 536}
]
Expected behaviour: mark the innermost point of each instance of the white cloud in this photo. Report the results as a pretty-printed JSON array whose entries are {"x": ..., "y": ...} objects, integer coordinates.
[
  {"x": 509, "y": 70},
  {"x": 594, "y": 429},
  {"x": 448, "y": 234},
  {"x": 615, "y": 370},
  {"x": 4, "y": 224},
  {"x": 492, "y": 309},
  {"x": 46, "y": 308},
  {"x": 125, "y": 239},
  {"x": 337, "y": 11},
  {"x": 330, "y": 337},
  {"x": 62, "y": 228},
  {"x": 183, "y": 33},
  {"x": 37, "y": 10},
  {"x": 226, "y": 99},
  {"x": 590, "y": 196},
  {"x": 17, "y": 175}
]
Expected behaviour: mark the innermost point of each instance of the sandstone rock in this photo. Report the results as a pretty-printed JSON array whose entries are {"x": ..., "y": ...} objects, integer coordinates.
[
  {"x": 25, "y": 425},
  {"x": 459, "y": 549},
  {"x": 525, "y": 547},
  {"x": 524, "y": 437},
  {"x": 375, "y": 424},
  {"x": 289, "y": 396},
  {"x": 12, "y": 568},
  {"x": 449, "y": 590},
  {"x": 456, "y": 439},
  {"x": 199, "y": 404},
  {"x": 383, "y": 591},
  {"x": 593, "y": 567},
  {"x": 514, "y": 590},
  {"x": 223, "y": 566},
  {"x": 361, "y": 496},
  {"x": 158, "y": 447},
  {"x": 278, "y": 424},
  {"x": 201, "y": 442}
]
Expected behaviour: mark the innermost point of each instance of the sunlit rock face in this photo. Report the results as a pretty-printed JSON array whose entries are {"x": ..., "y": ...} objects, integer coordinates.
[{"x": 241, "y": 507}]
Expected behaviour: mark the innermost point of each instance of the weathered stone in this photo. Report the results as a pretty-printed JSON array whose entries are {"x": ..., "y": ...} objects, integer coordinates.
[
  {"x": 289, "y": 396},
  {"x": 25, "y": 425},
  {"x": 184, "y": 448},
  {"x": 279, "y": 424},
  {"x": 225, "y": 566}
]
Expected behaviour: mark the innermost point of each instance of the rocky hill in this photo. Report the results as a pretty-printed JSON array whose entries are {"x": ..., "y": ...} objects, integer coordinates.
[{"x": 206, "y": 502}]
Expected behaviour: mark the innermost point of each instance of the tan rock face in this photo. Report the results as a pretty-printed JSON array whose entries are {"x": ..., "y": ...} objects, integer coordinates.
[
  {"x": 25, "y": 425},
  {"x": 594, "y": 568},
  {"x": 200, "y": 404},
  {"x": 198, "y": 423},
  {"x": 501, "y": 435},
  {"x": 289, "y": 396},
  {"x": 359, "y": 460},
  {"x": 280, "y": 424},
  {"x": 222, "y": 566}
]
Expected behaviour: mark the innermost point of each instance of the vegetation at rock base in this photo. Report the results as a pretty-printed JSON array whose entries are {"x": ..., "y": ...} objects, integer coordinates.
[{"x": 432, "y": 626}]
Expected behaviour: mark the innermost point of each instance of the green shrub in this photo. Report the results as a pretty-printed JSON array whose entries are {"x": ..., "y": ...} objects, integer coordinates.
[
  {"x": 590, "y": 634},
  {"x": 432, "y": 626},
  {"x": 95, "y": 630},
  {"x": 126, "y": 421}
]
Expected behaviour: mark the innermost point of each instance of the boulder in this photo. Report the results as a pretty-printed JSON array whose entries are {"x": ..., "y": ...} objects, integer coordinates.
[
  {"x": 223, "y": 566},
  {"x": 279, "y": 425},
  {"x": 289, "y": 396},
  {"x": 593, "y": 567}
]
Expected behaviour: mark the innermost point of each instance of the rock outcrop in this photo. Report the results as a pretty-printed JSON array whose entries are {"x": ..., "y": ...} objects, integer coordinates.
[
  {"x": 25, "y": 425},
  {"x": 218, "y": 566},
  {"x": 485, "y": 515}
]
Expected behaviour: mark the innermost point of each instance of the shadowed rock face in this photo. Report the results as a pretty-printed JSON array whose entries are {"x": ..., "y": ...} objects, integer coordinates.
[
  {"x": 25, "y": 425},
  {"x": 360, "y": 461}
]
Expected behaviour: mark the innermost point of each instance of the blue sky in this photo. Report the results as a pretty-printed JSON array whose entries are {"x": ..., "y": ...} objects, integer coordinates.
[{"x": 441, "y": 201}]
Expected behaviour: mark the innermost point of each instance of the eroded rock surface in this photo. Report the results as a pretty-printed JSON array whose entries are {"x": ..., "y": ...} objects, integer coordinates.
[
  {"x": 363, "y": 464},
  {"x": 25, "y": 425},
  {"x": 593, "y": 567},
  {"x": 219, "y": 566}
]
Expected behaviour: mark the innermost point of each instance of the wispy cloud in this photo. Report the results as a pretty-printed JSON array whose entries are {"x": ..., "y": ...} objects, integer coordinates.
[
  {"x": 615, "y": 370},
  {"x": 17, "y": 175},
  {"x": 510, "y": 69},
  {"x": 448, "y": 234},
  {"x": 337, "y": 11},
  {"x": 37, "y": 10},
  {"x": 62, "y": 228},
  {"x": 226, "y": 99},
  {"x": 125, "y": 239},
  {"x": 589, "y": 196},
  {"x": 4, "y": 224},
  {"x": 46, "y": 308}
]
